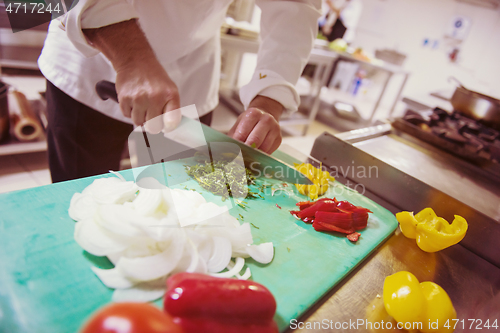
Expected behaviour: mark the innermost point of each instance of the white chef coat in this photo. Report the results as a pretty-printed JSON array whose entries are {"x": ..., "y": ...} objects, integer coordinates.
[{"x": 185, "y": 36}]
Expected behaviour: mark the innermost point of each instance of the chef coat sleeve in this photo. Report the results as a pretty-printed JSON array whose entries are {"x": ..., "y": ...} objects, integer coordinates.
[
  {"x": 89, "y": 14},
  {"x": 288, "y": 31}
]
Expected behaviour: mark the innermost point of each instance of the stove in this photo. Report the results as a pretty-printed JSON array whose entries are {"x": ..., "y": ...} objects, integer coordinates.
[{"x": 456, "y": 134}]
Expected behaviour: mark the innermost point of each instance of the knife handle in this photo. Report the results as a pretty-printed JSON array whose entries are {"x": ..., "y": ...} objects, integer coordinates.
[{"x": 106, "y": 90}]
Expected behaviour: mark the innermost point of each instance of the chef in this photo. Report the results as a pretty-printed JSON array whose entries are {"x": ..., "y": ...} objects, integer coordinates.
[{"x": 162, "y": 55}]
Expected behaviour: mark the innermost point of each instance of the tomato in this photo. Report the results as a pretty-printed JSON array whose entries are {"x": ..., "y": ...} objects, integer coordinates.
[{"x": 130, "y": 318}]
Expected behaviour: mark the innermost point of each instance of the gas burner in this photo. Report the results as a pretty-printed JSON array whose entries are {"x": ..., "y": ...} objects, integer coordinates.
[{"x": 455, "y": 133}]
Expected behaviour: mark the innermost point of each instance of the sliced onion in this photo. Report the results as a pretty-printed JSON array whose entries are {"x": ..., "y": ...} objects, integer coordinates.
[
  {"x": 82, "y": 206},
  {"x": 111, "y": 190},
  {"x": 113, "y": 278},
  {"x": 158, "y": 232},
  {"x": 119, "y": 175},
  {"x": 239, "y": 236},
  {"x": 197, "y": 265},
  {"x": 143, "y": 292},
  {"x": 150, "y": 183},
  {"x": 186, "y": 202},
  {"x": 96, "y": 240},
  {"x": 148, "y": 201},
  {"x": 206, "y": 214},
  {"x": 114, "y": 257},
  {"x": 262, "y": 253},
  {"x": 245, "y": 276},
  {"x": 156, "y": 266},
  {"x": 238, "y": 266},
  {"x": 221, "y": 254},
  {"x": 116, "y": 218}
]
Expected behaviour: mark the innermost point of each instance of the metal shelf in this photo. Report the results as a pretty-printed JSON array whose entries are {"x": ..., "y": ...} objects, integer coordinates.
[{"x": 13, "y": 147}]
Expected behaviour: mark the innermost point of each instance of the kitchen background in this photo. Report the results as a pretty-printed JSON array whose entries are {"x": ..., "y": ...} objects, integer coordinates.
[{"x": 419, "y": 39}]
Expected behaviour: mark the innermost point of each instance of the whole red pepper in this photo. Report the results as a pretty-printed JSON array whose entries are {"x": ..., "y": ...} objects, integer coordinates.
[{"x": 202, "y": 303}]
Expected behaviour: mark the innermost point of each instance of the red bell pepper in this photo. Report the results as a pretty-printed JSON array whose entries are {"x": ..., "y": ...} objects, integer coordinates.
[
  {"x": 354, "y": 236},
  {"x": 333, "y": 215},
  {"x": 323, "y": 205},
  {"x": 304, "y": 204},
  {"x": 201, "y": 303},
  {"x": 341, "y": 221}
]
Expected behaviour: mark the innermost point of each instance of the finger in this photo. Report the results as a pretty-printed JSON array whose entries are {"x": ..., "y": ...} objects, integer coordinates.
[
  {"x": 172, "y": 114},
  {"x": 266, "y": 145},
  {"x": 154, "y": 119},
  {"x": 275, "y": 145},
  {"x": 248, "y": 121},
  {"x": 233, "y": 129},
  {"x": 265, "y": 125},
  {"x": 138, "y": 116},
  {"x": 126, "y": 106},
  {"x": 171, "y": 120},
  {"x": 141, "y": 103},
  {"x": 173, "y": 102}
]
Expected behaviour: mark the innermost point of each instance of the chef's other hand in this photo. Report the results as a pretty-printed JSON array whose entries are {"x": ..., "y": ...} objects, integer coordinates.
[
  {"x": 144, "y": 88},
  {"x": 258, "y": 126}
]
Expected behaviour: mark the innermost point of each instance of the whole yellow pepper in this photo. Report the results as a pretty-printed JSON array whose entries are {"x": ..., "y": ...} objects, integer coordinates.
[
  {"x": 424, "y": 306},
  {"x": 320, "y": 179},
  {"x": 432, "y": 233}
]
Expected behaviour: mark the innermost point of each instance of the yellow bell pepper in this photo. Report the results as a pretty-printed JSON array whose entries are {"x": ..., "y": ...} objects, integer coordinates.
[
  {"x": 439, "y": 310},
  {"x": 320, "y": 178},
  {"x": 403, "y": 299},
  {"x": 424, "y": 306},
  {"x": 432, "y": 233}
]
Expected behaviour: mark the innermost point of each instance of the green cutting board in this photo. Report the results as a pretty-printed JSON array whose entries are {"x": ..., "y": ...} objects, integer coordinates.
[{"x": 46, "y": 284}]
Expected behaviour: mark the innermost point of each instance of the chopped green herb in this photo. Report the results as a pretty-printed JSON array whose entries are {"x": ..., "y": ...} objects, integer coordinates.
[
  {"x": 241, "y": 216},
  {"x": 288, "y": 249},
  {"x": 253, "y": 225},
  {"x": 223, "y": 178}
]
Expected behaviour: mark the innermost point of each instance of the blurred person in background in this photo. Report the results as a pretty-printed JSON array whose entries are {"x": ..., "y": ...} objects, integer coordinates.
[{"x": 340, "y": 19}]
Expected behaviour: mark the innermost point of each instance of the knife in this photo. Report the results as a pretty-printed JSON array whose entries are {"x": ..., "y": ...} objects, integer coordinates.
[{"x": 255, "y": 159}]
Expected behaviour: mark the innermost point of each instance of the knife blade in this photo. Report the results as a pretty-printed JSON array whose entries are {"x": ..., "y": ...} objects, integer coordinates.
[{"x": 256, "y": 160}]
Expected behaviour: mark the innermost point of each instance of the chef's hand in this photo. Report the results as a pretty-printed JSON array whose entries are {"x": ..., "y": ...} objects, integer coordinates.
[
  {"x": 144, "y": 88},
  {"x": 145, "y": 91},
  {"x": 258, "y": 126}
]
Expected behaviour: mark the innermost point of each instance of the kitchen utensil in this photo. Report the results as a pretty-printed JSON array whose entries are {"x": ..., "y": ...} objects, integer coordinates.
[
  {"x": 46, "y": 284},
  {"x": 476, "y": 105},
  {"x": 254, "y": 158},
  {"x": 25, "y": 123}
]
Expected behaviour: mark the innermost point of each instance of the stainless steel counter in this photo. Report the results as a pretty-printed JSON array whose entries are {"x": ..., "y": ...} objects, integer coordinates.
[
  {"x": 410, "y": 177},
  {"x": 438, "y": 169}
]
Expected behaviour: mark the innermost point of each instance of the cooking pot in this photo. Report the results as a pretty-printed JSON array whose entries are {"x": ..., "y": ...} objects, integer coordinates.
[{"x": 481, "y": 107}]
